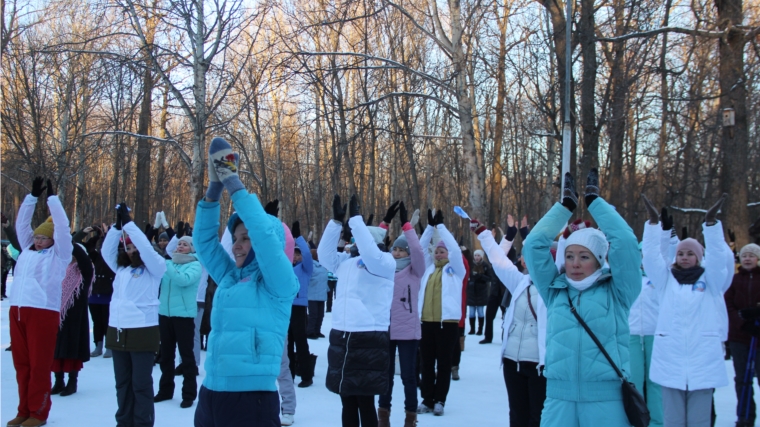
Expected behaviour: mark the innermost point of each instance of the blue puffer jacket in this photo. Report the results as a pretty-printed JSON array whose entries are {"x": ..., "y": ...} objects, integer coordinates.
[
  {"x": 318, "y": 283},
  {"x": 303, "y": 272},
  {"x": 252, "y": 304},
  {"x": 179, "y": 287},
  {"x": 575, "y": 368}
]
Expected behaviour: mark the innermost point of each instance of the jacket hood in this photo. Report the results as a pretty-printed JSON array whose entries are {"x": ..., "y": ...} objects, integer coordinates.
[{"x": 252, "y": 269}]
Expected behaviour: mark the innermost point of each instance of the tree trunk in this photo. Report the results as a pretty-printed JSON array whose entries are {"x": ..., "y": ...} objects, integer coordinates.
[
  {"x": 660, "y": 196},
  {"x": 144, "y": 147},
  {"x": 590, "y": 134},
  {"x": 498, "y": 133}
]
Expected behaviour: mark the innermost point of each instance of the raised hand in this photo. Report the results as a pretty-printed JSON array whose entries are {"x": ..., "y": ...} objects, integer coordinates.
[
  {"x": 667, "y": 220},
  {"x": 510, "y": 221},
  {"x": 273, "y": 208},
  {"x": 370, "y": 219},
  {"x": 431, "y": 220},
  {"x": 50, "y": 189},
  {"x": 439, "y": 217},
  {"x": 391, "y": 213},
  {"x": 353, "y": 207},
  {"x": 157, "y": 222},
  {"x": 592, "y": 186},
  {"x": 180, "y": 230},
  {"x": 569, "y": 195},
  {"x": 712, "y": 213},
  {"x": 188, "y": 230},
  {"x": 295, "y": 230},
  {"x": 476, "y": 227},
  {"x": 37, "y": 187},
  {"x": 339, "y": 211},
  {"x": 122, "y": 215},
  {"x": 87, "y": 230},
  {"x": 415, "y": 217},
  {"x": 402, "y": 214},
  {"x": 654, "y": 217},
  {"x": 524, "y": 222}
]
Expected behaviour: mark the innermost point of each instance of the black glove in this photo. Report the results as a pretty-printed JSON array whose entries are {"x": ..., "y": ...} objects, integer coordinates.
[
  {"x": 180, "y": 229},
  {"x": 295, "y": 230},
  {"x": 712, "y": 213},
  {"x": 50, "y": 189},
  {"x": 188, "y": 229},
  {"x": 569, "y": 195},
  {"x": 37, "y": 186},
  {"x": 438, "y": 217},
  {"x": 403, "y": 215},
  {"x": 684, "y": 233},
  {"x": 731, "y": 235},
  {"x": 147, "y": 230},
  {"x": 122, "y": 215},
  {"x": 347, "y": 232},
  {"x": 749, "y": 314},
  {"x": 592, "y": 186},
  {"x": 391, "y": 213},
  {"x": 667, "y": 220},
  {"x": 370, "y": 219},
  {"x": 273, "y": 208},
  {"x": 431, "y": 220},
  {"x": 511, "y": 233},
  {"x": 353, "y": 207},
  {"x": 339, "y": 211},
  {"x": 654, "y": 217}
]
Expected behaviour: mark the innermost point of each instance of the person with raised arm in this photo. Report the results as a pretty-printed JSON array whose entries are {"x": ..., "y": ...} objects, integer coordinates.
[
  {"x": 252, "y": 302},
  {"x": 35, "y": 300}
]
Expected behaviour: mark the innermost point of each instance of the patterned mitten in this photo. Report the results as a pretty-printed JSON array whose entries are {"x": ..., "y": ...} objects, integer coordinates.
[{"x": 224, "y": 163}]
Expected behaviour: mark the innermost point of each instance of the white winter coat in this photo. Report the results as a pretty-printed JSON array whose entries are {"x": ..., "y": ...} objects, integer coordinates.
[
  {"x": 364, "y": 291},
  {"x": 643, "y": 317},
  {"x": 688, "y": 351},
  {"x": 452, "y": 277},
  {"x": 517, "y": 283},
  {"x": 38, "y": 274},
  {"x": 134, "y": 303}
]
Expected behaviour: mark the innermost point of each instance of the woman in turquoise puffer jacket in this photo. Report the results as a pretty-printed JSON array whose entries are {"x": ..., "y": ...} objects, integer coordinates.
[
  {"x": 582, "y": 388},
  {"x": 176, "y": 321}
]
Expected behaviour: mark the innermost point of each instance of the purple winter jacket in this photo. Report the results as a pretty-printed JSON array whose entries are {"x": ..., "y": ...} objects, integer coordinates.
[{"x": 405, "y": 316}]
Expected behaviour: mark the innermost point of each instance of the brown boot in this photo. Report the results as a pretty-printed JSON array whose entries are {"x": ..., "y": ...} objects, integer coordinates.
[
  {"x": 16, "y": 422},
  {"x": 411, "y": 419},
  {"x": 33, "y": 422},
  {"x": 383, "y": 417}
]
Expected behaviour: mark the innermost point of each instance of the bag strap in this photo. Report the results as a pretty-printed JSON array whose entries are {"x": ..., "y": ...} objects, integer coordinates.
[
  {"x": 530, "y": 304},
  {"x": 593, "y": 337}
]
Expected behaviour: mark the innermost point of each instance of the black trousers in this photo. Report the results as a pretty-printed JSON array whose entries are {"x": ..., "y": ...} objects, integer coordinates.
[
  {"x": 316, "y": 315},
  {"x": 358, "y": 410},
  {"x": 134, "y": 388},
  {"x": 237, "y": 408},
  {"x": 99, "y": 314},
  {"x": 4, "y": 278},
  {"x": 526, "y": 391},
  {"x": 491, "y": 310},
  {"x": 177, "y": 332},
  {"x": 297, "y": 339},
  {"x": 330, "y": 296},
  {"x": 456, "y": 354},
  {"x": 436, "y": 347}
]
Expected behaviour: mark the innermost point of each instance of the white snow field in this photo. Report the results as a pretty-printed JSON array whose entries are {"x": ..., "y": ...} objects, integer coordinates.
[{"x": 479, "y": 398}]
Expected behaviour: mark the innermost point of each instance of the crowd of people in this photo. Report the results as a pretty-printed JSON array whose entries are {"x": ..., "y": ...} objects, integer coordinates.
[{"x": 582, "y": 307}]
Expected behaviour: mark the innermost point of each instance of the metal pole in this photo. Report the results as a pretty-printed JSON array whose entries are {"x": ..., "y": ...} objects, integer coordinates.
[{"x": 567, "y": 130}]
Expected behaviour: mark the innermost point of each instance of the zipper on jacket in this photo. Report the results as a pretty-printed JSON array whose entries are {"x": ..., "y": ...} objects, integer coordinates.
[{"x": 343, "y": 368}]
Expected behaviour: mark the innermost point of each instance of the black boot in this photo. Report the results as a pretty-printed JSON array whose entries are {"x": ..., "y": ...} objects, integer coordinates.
[
  {"x": 71, "y": 386},
  {"x": 59, "y": 384},
  {"x": 472, "y": 326},
  {"x": 307, "y": 374},
  {"x": 481, "y": 320}
]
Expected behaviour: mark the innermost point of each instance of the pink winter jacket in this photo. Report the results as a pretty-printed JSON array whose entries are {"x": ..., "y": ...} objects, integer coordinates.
[{"x": 405, "y": 316}]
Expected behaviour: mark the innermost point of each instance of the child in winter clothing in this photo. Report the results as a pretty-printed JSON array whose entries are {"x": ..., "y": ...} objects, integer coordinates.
[
  {"x": 582, "y": 388},
  {"x": 251, "y": 304},
  {"x": 35, "y": 301},
  {"x": 687, "y": 359},
  {"x": 523, "y": 346},
  {"x": 358, "y": 355},
  {"x": 744, "y": 293},
  {"x": 440, "y": 305},
  {"x": 405, "y": 330}
]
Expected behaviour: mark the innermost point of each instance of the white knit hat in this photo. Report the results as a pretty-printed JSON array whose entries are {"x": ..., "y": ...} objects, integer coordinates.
[
  {"x": 479, "y": 252},
  {"x": 591, "y": 239},
  {"x": 377, "y": 233},
  {"x": 751, "y": 248}
]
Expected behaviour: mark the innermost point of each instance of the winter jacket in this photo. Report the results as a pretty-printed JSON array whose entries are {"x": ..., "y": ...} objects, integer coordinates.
[
  {"x": 688, "y": 351},
  {"x": 365, "y": 283},
  {"x": 516, "y": 283},
  {"x": 405, "y": 315},
  {"x": 318, "y": 283},
  {"x": 303, "y": 271},
  {"x": 743, "y": 293},
  {"x": 73, "y": 340},
  {"x": 38, "y": 274},
  {"x": 179, "y": 287},
  {"x": 453, "y": 274},
  {"x": 479, "y": 285},
  {"x": 645, "y": 310},
  {"x": 464, "y": 291},
  {"x": 134, "y": 303},
  {"x": 575, "y": 368},
  {"x": 200, "y": 296},
  {"x": 358, "y": 362},
  {"x": 251, "y": 307}
]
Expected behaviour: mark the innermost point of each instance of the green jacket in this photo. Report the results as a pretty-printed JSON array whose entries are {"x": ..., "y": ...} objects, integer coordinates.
[
  {"x": 575, "y": 368},
  {"x": 179, "y": 287}
]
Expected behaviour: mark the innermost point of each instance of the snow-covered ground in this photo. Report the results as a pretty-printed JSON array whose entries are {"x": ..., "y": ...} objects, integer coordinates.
[{"x": 479, "y": 398}]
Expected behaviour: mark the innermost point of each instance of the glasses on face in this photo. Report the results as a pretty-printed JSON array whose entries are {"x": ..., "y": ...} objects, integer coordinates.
[{"x": 41, "y": 238}]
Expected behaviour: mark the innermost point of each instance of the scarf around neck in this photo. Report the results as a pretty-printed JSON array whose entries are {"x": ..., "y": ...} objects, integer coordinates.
[
  {"x": 586, "y": 283},
  {"x": 70, "y": 289},
  {"x": 402, "y": 263},
  {"x": 179, "y": 258},
  {"x": 688, "y": 276}
]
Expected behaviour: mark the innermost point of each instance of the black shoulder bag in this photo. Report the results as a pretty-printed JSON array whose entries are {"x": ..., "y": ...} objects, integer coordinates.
[{"x": 633, "y": 402}]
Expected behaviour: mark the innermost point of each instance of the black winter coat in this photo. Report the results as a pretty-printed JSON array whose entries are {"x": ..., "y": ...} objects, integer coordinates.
[
  {"x": 73, "y": 341},
  {"x": 358, "y": 363},
  {"x": 104, "y": 276},
  {"x": 479, "y": 285}
]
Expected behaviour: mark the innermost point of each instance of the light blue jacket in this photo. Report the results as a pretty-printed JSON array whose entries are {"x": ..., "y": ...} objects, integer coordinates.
[
  {"x": 575, "y": 368},
  {"x": 318, "y": 283},
  {"x": 303, "y": 272},
  {"x": 178, "y": 289},
  {"x": 252, "y": 304}
]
